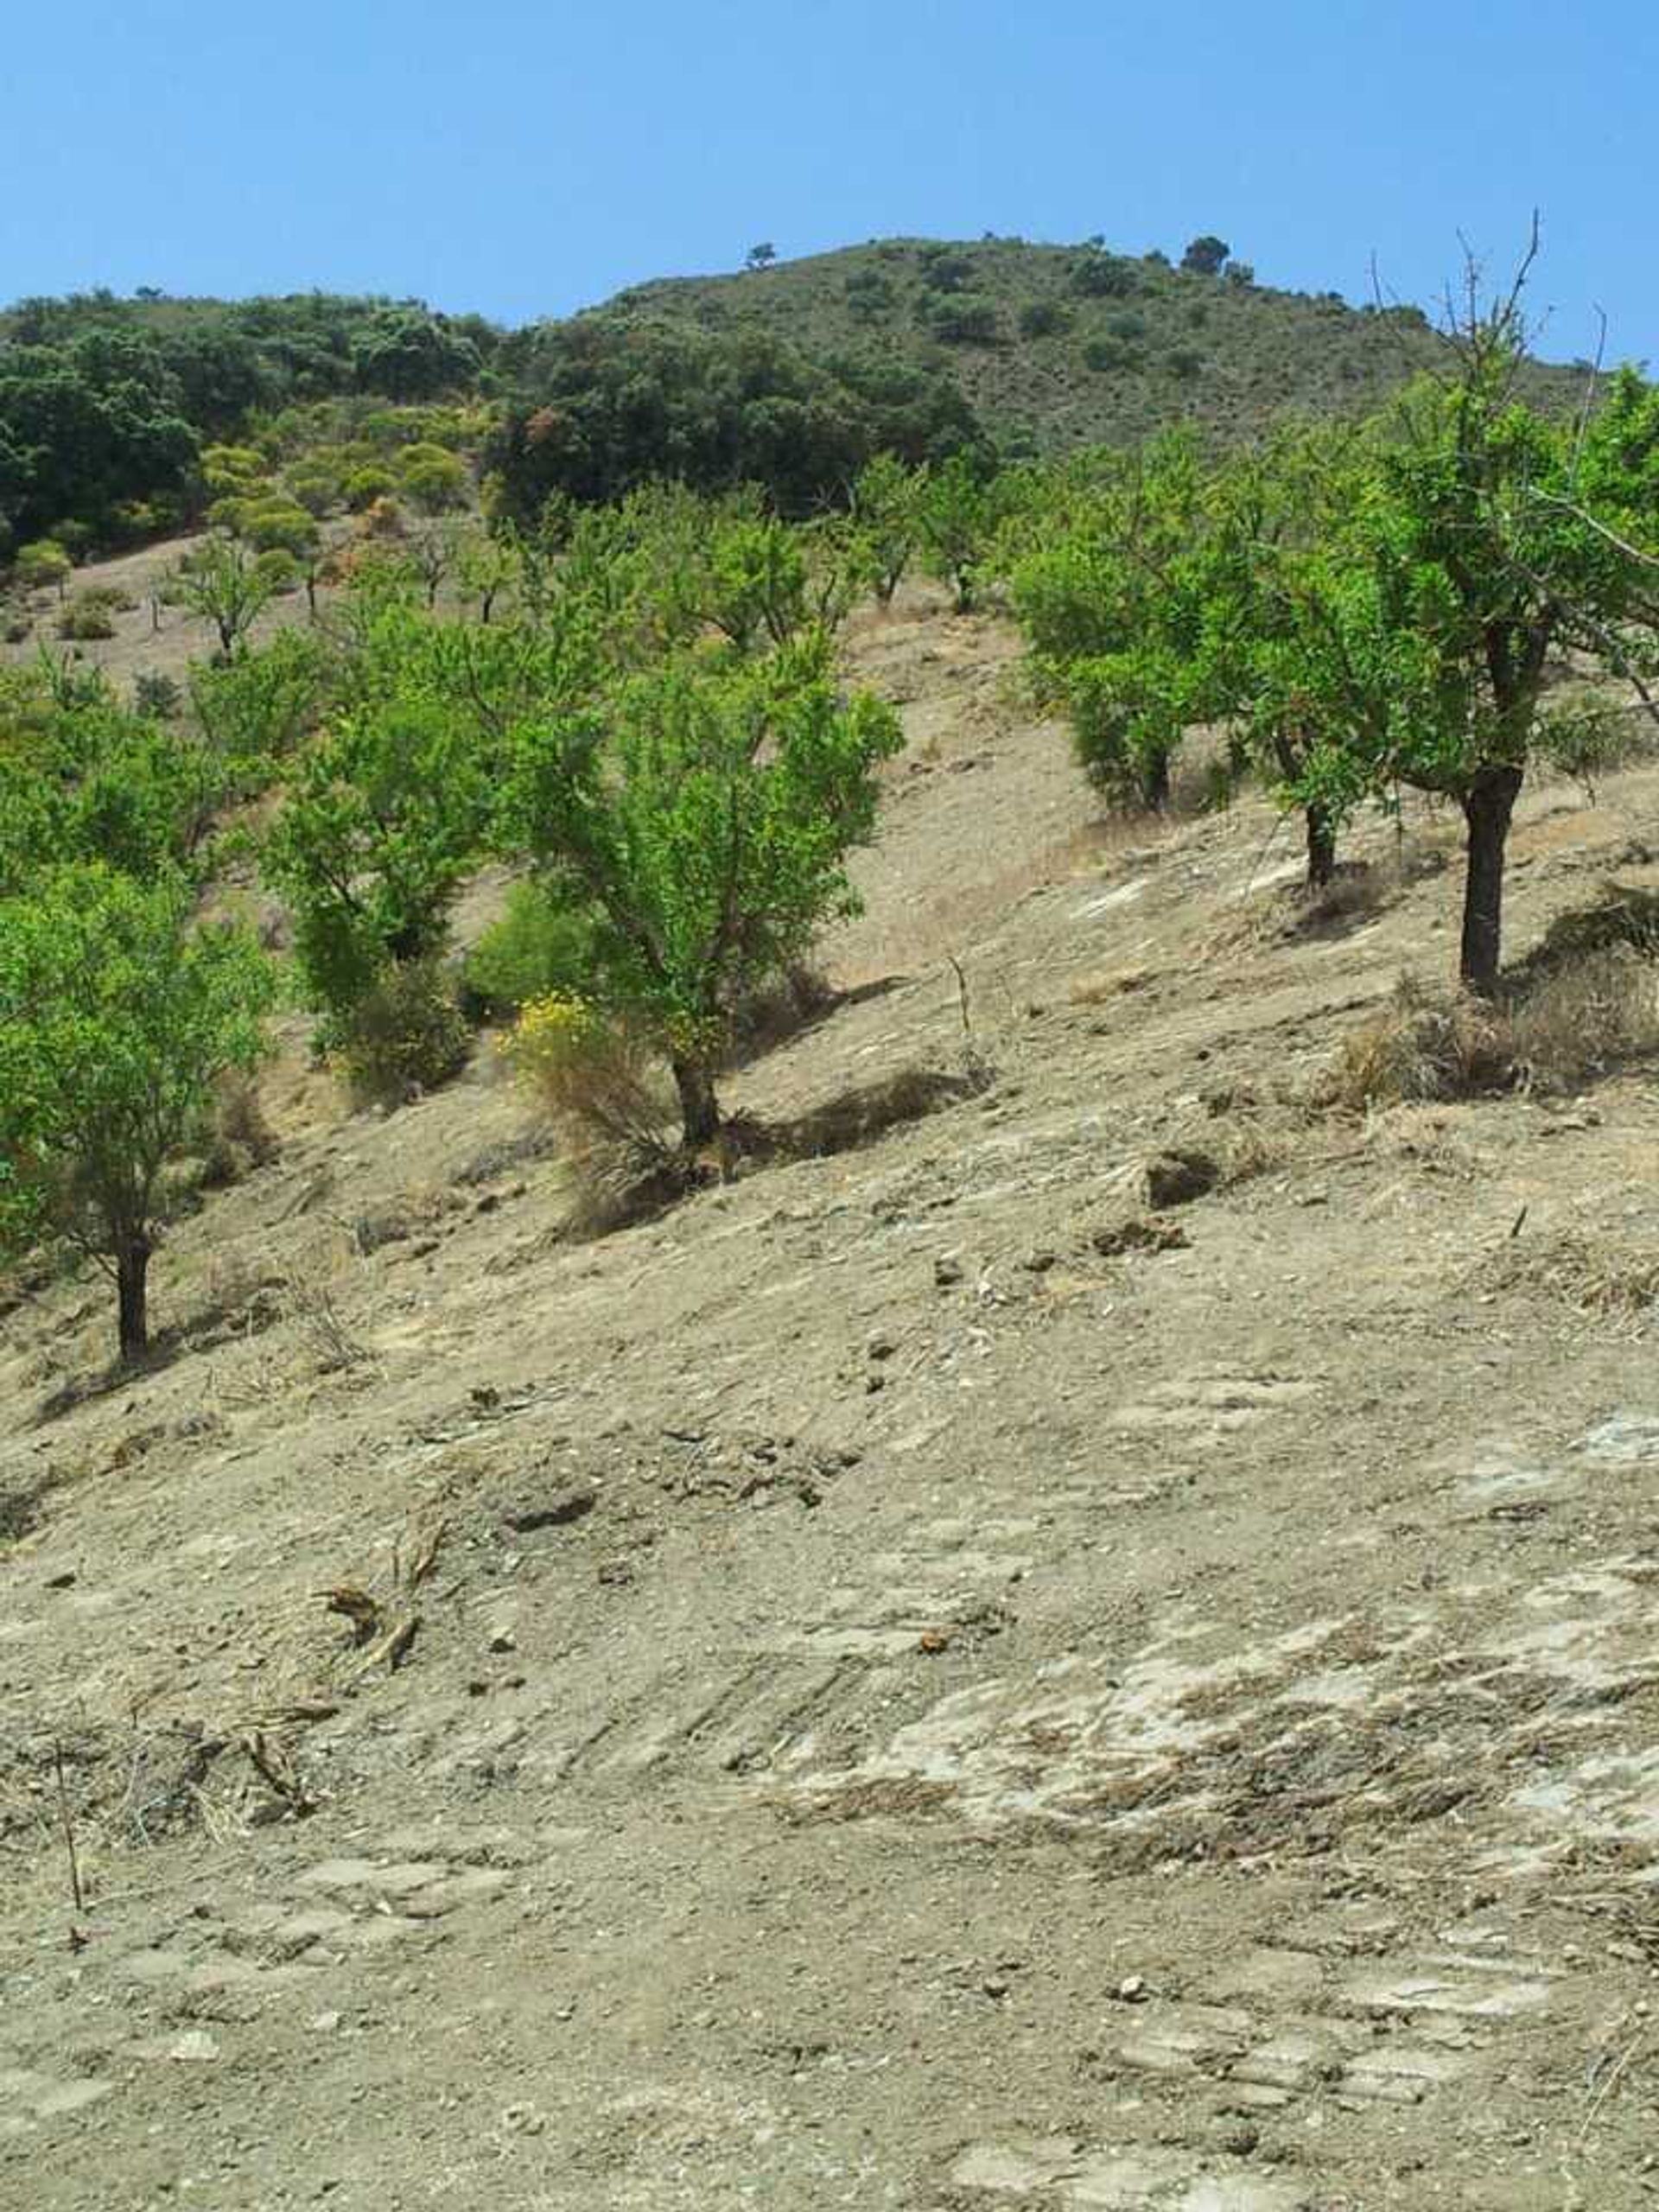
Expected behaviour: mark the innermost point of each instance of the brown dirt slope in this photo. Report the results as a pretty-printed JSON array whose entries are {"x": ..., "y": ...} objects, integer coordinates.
[{"x": 877, "y": 1689}]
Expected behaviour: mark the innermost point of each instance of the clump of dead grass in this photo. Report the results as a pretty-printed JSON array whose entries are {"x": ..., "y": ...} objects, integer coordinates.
[
  {"x": 1562, "y": 1024},
  {"x": 241, "y": 1138},
  {"x": 1598, "y": 1279}
]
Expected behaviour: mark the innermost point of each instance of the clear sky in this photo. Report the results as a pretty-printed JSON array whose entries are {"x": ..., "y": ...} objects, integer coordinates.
[{"x": 527, "y": 159}]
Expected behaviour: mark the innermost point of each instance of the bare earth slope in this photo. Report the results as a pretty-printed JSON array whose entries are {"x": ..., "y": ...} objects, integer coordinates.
[{"x": 907, "y": 1706}]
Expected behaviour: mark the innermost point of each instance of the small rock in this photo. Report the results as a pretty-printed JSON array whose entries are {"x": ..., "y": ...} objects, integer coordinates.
[
  {"x": 323, "y": 2023},
  {"x": 947, "y": 1270},
  {"x": 194, "y": 2045},
  {"x": 1133, "y": 1990},
  {"x": 880, "y": 1347}
]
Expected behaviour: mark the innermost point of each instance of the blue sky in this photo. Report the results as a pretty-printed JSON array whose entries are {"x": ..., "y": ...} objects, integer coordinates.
[{"x": 524, "y": 159}]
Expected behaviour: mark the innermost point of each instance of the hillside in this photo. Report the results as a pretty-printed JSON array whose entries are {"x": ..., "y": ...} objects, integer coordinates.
[
  {"x": 917, "y": 1678},
  {"x": 1056, "y": 346}
]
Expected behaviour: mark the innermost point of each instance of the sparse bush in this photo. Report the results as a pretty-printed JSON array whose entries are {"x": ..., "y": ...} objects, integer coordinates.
[
  {"x": 593, "y": 1075},
  {"x": 366, "y": 485},
  {"x": 1043, "y": 319},
  {"x": 1106, "y": 355},
  {"x": 156, "y": 696},
  {"x": 405, "y": 1036},
  {"x": 1426, "y": 1044},
  {"x": 279, "y": 568},
  {"x": 278, "y": 525},
  {"x": 241, "y": 1138},
  {"x": 959, "y": 320},
  {"x": 89, "y": 615}
]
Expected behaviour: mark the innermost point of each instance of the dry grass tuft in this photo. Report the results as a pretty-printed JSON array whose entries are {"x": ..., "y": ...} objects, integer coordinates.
[
  {"x": 242, "y": 1138},
  {"x": 1593, "y": 1013},
  {"x": 1596, "y": 1279},
  {"x": 1564, "y": 1021},
  {"x": 1425, "y": 1046}
]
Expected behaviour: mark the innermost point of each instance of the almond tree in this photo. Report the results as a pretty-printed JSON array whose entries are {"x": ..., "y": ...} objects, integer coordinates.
[{"x": 117, "y": 1011}]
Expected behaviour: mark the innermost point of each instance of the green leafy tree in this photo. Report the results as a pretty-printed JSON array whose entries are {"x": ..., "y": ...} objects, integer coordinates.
[
  {"x": 953, "y": 521},
  {"x": 1206, "y": 256},
  {"x": 885, "y": 503},
  {"x": 383, "y": 820},
  {"x": 1494, "y": 543},
  {"x": 702, "y": 815},
  {"x": 253, "y": 711},
  {"x": 117, "y": 1012},
  {"x": 761, "y": 256},
  {"x": 42, "y": 563},
  {"x": 1112, "y": 607},
  {"x": 222, "y": 583},
  {"x": 433, "y": 479}
]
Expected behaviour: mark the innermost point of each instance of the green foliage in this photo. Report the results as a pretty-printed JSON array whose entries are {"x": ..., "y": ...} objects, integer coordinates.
[
  {"x": 117, "y": 1012},
  {"x": 41, "y": 562},
  {"x": 88, "y": 616},
  {"x": 278, "y": 524},
  {"x": 433, "y": 480},
  {"x": 1206, "y": 256},
  {"x": 885, "y": 503},
  {"x": 606, "y": 405},
  {"x": 405, "y": 1036},
  {"x": 703, "y": 817},
  {"x": 365, "y": 484},
  {"x": 1112, "y": 609},
  {"x": 157, "y": 696},
  {"x": 954, "y": 519},
  {"x": 254, "y": 711},
  {"x": 1043, "y": 319},
  {"x": 222, "y": 583},
  {"x": 1103, "y": 277},
  {"x": 385, "y": 815},
  {"x": 541, "y": 947}
]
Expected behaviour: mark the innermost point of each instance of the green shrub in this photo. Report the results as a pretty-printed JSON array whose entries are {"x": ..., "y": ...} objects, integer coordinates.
[
  {"x": 155, "y": 695},
  {"x": 958, "y": 320},
  {"x": 1103, "y": 277},
  {"x": 44, "y": 561},
  {"x": 279, "y": 568},
  {"x": 89, "y": 615},
  {"x": 365, "y": 486},
  {"x": 1103, "y": 355},
  {"x": 278, "y": 525},
  {"x": 1042, "y": 319},
  {"x": 405, "y": 1036},
  {"x": 541, "y": 947}
]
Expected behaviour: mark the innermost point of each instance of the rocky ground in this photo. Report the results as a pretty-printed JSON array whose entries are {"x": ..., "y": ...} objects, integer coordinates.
[{"x": 919, "y": 1679}]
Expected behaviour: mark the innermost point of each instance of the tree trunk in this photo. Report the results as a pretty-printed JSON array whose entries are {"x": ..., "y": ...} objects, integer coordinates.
[
  {"x": 1154, "y": 781},
  {"x": 699, "y": 1108},
  {"x": 1321, "y": 848},
  {"x": 1487, "y": 805},
  {"x": 131, "y": 1272}
]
